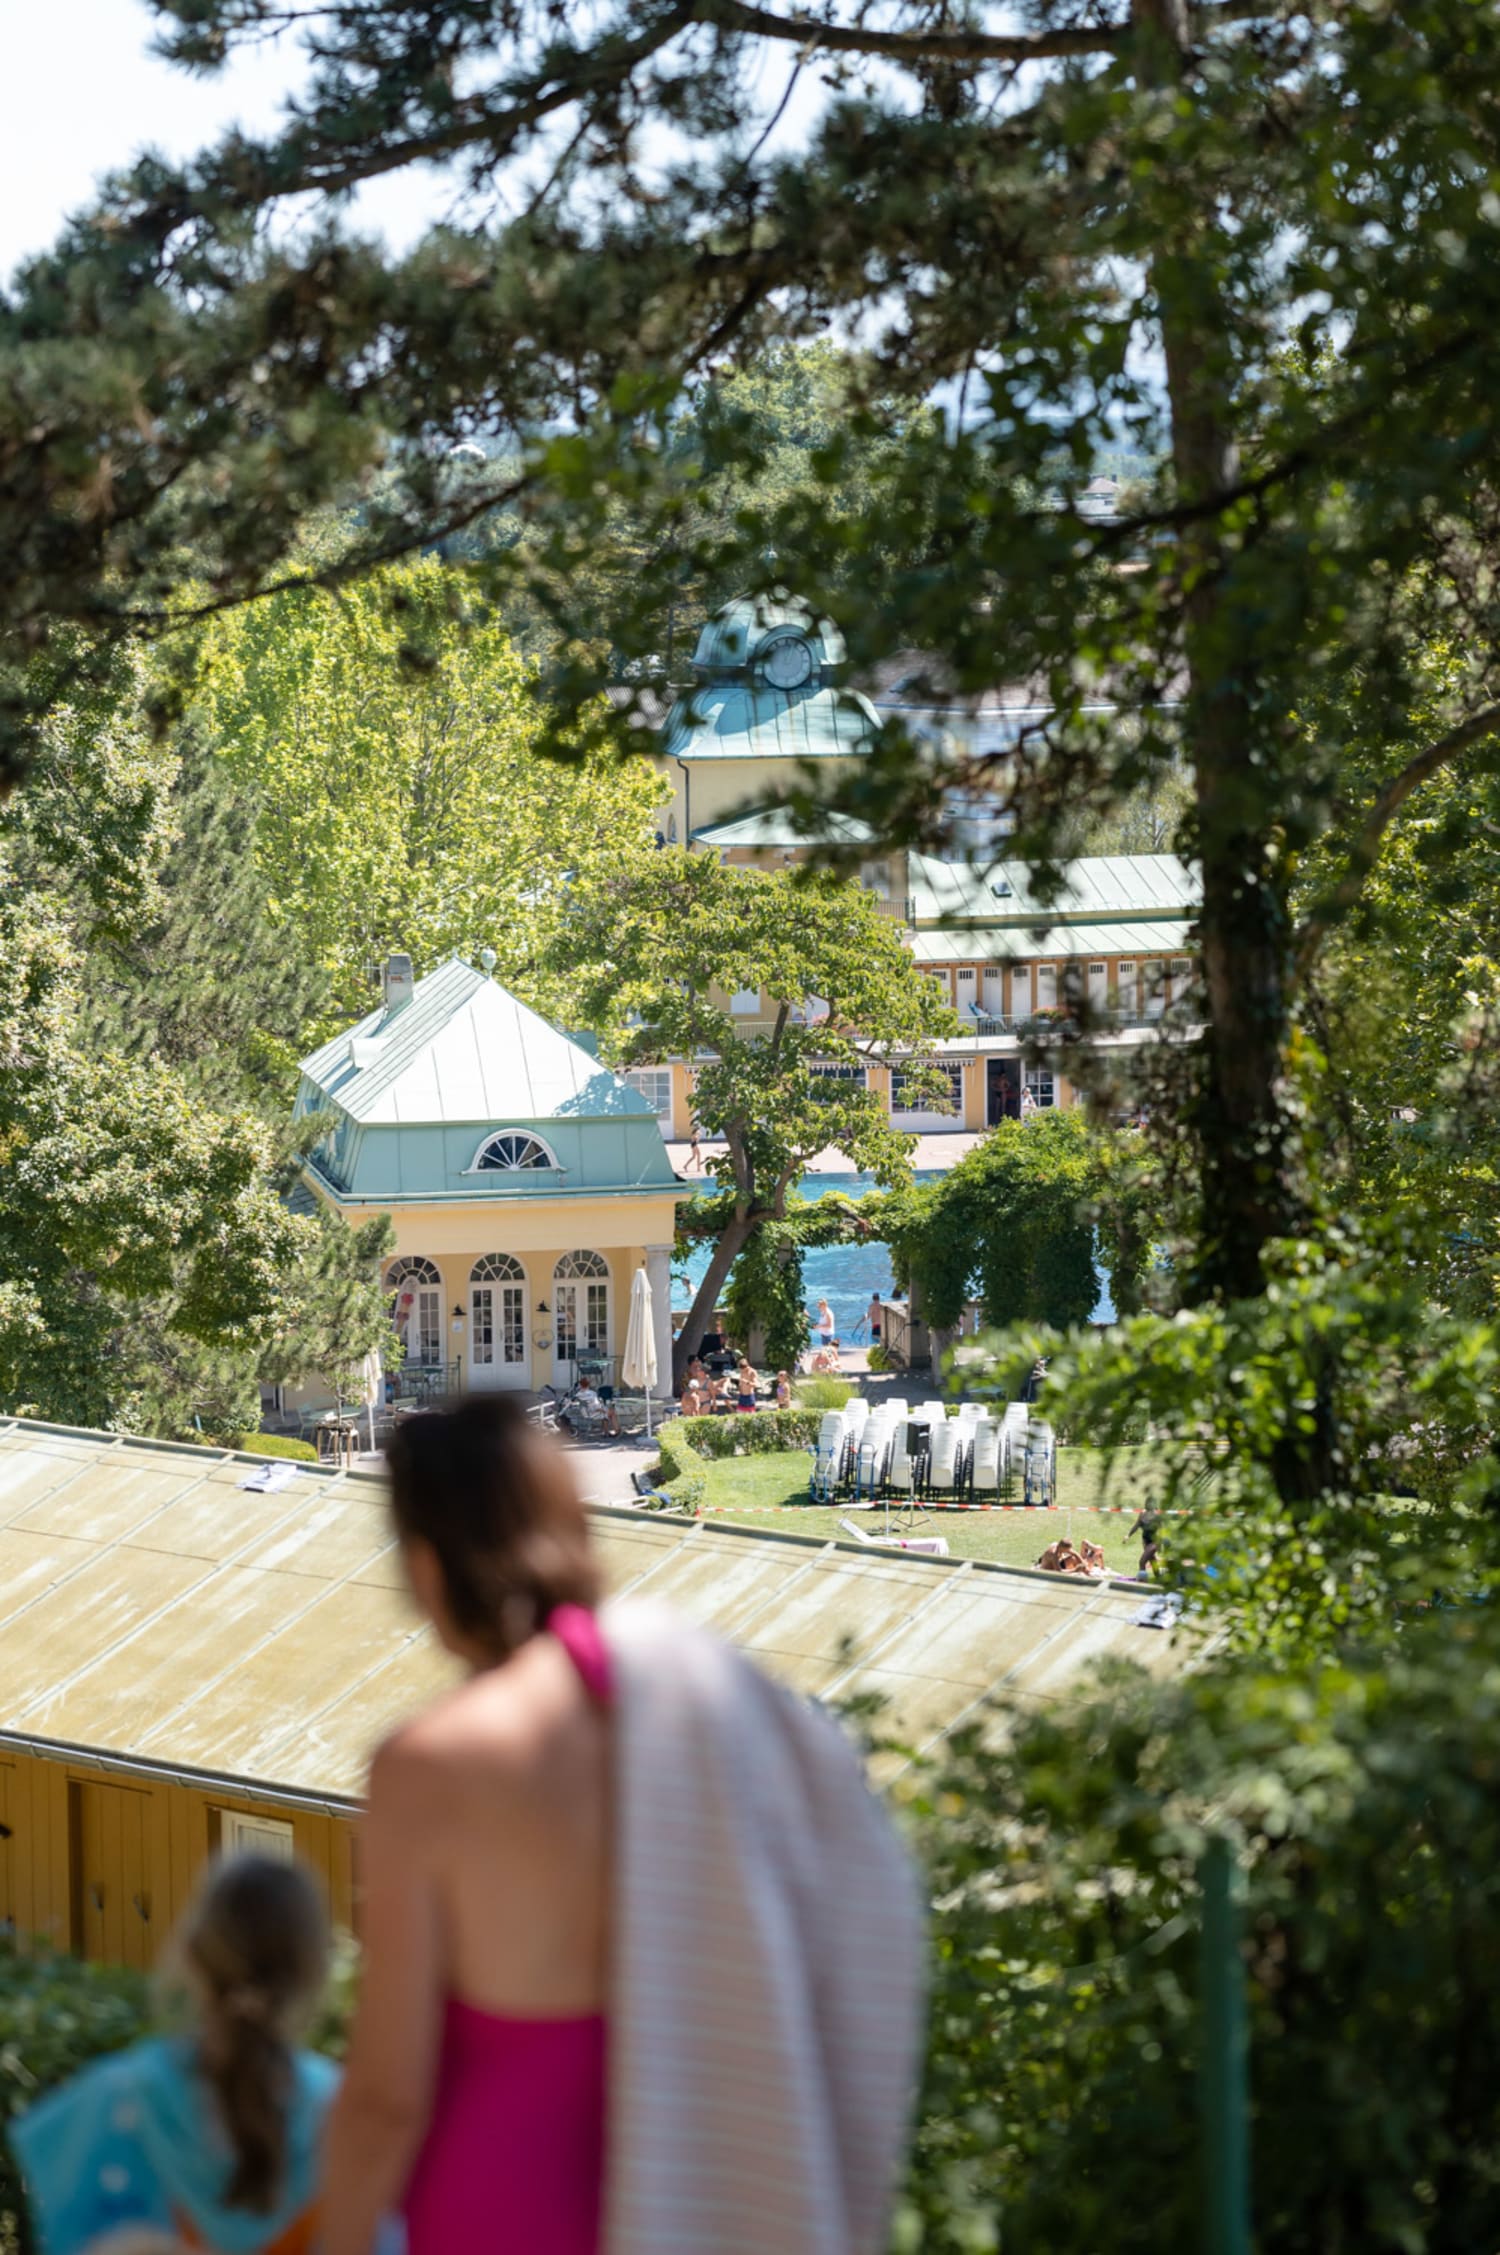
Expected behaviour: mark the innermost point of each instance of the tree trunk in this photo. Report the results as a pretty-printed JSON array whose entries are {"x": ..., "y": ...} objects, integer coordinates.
[
  {"x": 1249, "y": 1195},
  {"x": 735, "y": 1236}
]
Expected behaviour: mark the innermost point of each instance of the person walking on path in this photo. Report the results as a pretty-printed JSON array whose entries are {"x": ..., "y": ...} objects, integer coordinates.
[{"x": 643, "y": 1956}]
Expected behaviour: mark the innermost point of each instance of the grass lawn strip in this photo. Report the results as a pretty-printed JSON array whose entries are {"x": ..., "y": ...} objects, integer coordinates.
[{"x": 771, "y": 1491}]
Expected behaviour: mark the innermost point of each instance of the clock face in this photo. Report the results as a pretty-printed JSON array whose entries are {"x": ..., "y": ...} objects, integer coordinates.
[{"x": 788, "y": 663}]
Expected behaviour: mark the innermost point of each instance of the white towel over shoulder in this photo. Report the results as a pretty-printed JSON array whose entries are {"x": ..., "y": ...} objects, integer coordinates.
[{"x": 767, "y": 1990}]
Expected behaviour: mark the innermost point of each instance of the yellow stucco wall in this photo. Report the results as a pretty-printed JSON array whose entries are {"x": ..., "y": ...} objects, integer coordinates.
[
  {"x": 538, "y": 1233},
  {"x": 713, "y": 790},
  {"x": 103, "y": 1863}
]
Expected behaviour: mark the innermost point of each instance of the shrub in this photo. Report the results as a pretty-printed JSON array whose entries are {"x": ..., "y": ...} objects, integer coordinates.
[
  {"x": 276, "y": 1444},
  {"x": 767, "y": 1433},
  {"x": 1060, "y": 2110},
  {"x": 824, "y": 1393}
]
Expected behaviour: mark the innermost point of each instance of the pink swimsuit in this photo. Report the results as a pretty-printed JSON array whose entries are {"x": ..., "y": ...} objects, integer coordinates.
[{"x": 513, "y": 2159}]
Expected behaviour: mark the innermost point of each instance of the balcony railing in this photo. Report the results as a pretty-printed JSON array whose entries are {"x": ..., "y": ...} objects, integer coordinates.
[
  {"x": 900, "y": 908},
  {"x": 1037, "y": 1025}
]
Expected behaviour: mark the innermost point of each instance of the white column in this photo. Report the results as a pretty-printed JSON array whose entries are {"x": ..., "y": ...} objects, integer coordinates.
[{"x": 659, "y": 1277}]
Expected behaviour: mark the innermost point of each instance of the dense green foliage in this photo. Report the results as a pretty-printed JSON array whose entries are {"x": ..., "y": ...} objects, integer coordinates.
[
  {"x": 150, "y": 1272},
  {"x": 730, "y": 1433},
  {"x": 55, "y": 2016},
  {"x": 389, "y": 735},
  {"x": 1016, "y": 1224},
  {"x": 207, "y": 978},
  {"x": 765, "y": 1293},
  {"x": 278, "y": 1444},
  {"x": 1061, "y": 2104}
]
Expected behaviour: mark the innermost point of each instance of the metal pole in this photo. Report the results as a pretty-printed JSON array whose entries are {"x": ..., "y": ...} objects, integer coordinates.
[{"x": 1225, "y": 2094}]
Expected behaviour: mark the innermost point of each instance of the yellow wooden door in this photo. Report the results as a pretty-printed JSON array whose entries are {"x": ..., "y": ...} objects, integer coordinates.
[{"x": 112, "y": 1902}]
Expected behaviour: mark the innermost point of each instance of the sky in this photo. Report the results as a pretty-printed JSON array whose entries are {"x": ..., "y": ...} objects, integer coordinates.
[{"x": 81, "y": 94}]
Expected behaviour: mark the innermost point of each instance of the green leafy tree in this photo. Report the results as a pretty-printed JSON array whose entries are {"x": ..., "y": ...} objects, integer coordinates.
[
  {"x": 207, "y": 980},
  {"x": 657, "y": 954},
  {"x": 1063, "y": 1854},
  {"x": 147, "y": 1260},
  {"x": 1093, "y": 232},
  {"x": 1017, "y": 1222},
  {"x": 389, "y": 734}
]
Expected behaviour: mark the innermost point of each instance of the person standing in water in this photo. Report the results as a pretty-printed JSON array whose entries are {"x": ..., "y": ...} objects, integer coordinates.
[{"x": 597, "y": 2017}]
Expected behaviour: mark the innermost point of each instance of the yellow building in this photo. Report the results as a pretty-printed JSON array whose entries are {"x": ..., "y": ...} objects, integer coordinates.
[
  {"x": 769, "y": 710},
  {"x": 526, "y": 1183},
  {"x": 201, "y": 1649}
]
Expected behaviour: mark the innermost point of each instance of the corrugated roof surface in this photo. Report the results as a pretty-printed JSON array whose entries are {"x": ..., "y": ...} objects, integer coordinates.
[
  {"x": 967, "y": 943},
  {"x": 464, "y": 1050},
  {"x": 152, "y": 1609},
  {"x": 729, "y": 720},
  {"x": 1117, "y": 887}
]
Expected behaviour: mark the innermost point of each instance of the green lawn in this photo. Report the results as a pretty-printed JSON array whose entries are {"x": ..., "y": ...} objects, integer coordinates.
[{"x": 770, "y": 1491}]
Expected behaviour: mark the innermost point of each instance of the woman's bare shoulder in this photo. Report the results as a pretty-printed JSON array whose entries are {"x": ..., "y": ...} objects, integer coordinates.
[{"x": 493, "y": 1721}]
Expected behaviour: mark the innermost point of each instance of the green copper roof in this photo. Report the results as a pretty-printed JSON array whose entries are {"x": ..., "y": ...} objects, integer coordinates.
[
  {"x": 1020, "y": 943},
  {"x": 464, "y": 1049},
  {"x": 415, "y": 1094},
  {"x": 731, "y": 639},
  {"x": 730, "y": 720},
  {"x": 1103, "y": 888}
]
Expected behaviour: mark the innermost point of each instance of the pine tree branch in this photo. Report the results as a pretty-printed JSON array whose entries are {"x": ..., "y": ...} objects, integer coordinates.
[
  {"x": 1365, "y": 852},
  {"x": 972, "y": 46},
  {"x": 914, "y": 46}
]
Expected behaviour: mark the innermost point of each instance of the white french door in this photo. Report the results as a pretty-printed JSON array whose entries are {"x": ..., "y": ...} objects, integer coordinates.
[{"x": 497, "y": 1325}]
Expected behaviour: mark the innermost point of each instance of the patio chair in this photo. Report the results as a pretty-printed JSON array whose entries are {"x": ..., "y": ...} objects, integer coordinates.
[{"x": 930, "y": 1546}]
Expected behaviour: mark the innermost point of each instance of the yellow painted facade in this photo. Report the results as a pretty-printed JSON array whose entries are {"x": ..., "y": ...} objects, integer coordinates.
[
  {"x": 539, "y": 1234},
  {"x": 101, "y": 1860},
  {"x": 701, "y": 792}
]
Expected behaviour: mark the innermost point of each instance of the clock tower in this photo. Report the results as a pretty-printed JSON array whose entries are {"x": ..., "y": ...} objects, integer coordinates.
[{"x": 768, "y": 700}]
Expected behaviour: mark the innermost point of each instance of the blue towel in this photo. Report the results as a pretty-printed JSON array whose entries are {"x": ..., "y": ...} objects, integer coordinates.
[{"x": 136, "y": 2140}]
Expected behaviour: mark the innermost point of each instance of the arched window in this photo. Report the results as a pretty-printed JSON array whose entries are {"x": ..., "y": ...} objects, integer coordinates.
[
  {"x": 511, "y": 1152},
  {"x": 416, "y": 1286},
  {"x": 581, "y": 1264},
  {"x": 581, "y": 1283},
  {"x": 497, "y": 1321}
]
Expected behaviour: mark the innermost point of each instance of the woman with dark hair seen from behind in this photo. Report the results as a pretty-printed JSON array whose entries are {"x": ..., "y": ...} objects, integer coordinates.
[
  {"x": 600, "y": 1997},
  {"x": 208, "y": 2139}
]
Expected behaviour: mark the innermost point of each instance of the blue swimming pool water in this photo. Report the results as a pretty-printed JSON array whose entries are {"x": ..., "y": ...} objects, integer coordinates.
[{"x": 844, "y": 1275}]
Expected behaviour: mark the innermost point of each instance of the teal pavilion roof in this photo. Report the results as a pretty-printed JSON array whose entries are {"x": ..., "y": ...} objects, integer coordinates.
[
  {"x": 415, "y": 1091},
  {"x": 735, "y": 711}
]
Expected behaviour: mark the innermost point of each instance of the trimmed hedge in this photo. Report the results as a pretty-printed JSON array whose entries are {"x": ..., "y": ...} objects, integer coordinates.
[{"x": 767, "y": 1433}]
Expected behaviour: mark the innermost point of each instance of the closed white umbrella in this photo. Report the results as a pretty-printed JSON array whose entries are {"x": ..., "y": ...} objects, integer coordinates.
[
  {"x": 372, "y": 1386},
  {"x": 638, "y": 1367}
]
